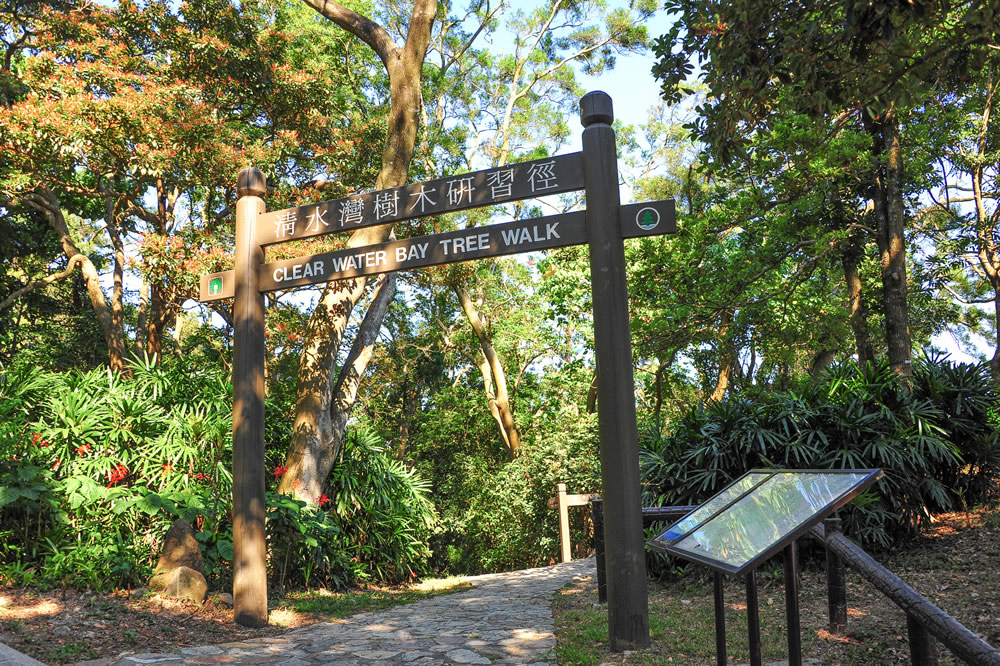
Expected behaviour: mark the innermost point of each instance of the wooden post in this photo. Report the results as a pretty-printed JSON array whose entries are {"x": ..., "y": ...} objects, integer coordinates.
[
  {"x": 597, "y": 511},
  {"x": 249, "y": 544},
  {"x": 836, "y": 584},
  {"x": 720, "y": 620},
  {"x": 923, "y": 647},
  {"x": 563, "y": 522},
  {"x": 628, "y": 603}
]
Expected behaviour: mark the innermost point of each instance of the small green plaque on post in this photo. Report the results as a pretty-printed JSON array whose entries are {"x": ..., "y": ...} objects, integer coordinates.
[{"x": 216, "y": 286}]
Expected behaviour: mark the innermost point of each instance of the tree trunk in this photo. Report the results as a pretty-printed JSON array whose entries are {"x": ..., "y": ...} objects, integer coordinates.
[
  {"x": 592, "y": 394},
  {"x": 319, "y": 418},
  {"x": 118, "y": 280},
  {"x": 722, "y": 383},
  {"x": 725, "y": 360},
  {"x": 857, "y": 309},
  {"x": 140, "y": 318},
  {"x": 986, "y": 223},
  {"x": 494, "y": 378},
  {"x": 891, "y": 242},
  {"x": 47, "y": 203}
]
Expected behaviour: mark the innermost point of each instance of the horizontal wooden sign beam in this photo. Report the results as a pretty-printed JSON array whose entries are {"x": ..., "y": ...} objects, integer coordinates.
[
  {"x": 635, "y": 220},
  {"x": 445, "y": 248},
  {"x": 552, "y": 175}
]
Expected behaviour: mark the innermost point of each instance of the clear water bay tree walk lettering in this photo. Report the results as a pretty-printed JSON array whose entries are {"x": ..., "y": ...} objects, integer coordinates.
[{"x": 603, "y": 226}]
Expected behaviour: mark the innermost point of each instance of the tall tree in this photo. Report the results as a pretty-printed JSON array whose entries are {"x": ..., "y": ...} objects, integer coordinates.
[
  {"x": 863, "y": 63},
  {"x": 123, "y": 115},
  {"x": 324, "y": 399},
  {"x": 517, "y": 105}
]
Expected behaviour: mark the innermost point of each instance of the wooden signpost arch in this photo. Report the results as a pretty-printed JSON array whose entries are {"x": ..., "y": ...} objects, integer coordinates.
[{"x": 603, "y": 226}]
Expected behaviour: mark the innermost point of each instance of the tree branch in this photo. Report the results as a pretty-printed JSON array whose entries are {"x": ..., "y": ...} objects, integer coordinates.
[{"x": 37, "y": 284}]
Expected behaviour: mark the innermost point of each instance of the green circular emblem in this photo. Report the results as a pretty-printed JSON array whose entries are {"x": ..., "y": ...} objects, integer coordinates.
[
  {"x": 647, "y": 218},
  {"x": 215, "y": 286}
]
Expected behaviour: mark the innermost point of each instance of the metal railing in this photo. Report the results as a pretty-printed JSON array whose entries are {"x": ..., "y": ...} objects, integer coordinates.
[
  {"x": 924, "y": 620},
  {"x": 926, "y": 623}
]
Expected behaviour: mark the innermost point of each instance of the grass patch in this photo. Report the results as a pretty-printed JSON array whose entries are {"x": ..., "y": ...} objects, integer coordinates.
[
  {"x": 681, "y": 626},
  {"x": 336, "y": 605}
]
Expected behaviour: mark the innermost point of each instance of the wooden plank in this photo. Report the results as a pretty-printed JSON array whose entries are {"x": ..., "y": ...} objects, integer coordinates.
[
  {"x": 477, "y": 243},
  {"x": 366, "y": 261},
  {"x": 580, "y": 500},
  {"x": 551, "y": 175}
]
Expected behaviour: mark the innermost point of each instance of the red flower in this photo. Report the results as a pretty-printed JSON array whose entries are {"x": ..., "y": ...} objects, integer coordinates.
[
  {"x": 279, "y": 470},
  {"x": 322, "y": 499},
  {"x": 116, "y": 474},
  {"x": 55, "y": 465},
  {"x": 81, "y": 450}
]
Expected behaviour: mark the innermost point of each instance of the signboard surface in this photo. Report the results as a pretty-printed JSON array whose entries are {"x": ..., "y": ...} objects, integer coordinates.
[
  {"x": 490, "y": 241},
  {"x": 552, "y": 175},
  {"x": 759, "y": 514}
]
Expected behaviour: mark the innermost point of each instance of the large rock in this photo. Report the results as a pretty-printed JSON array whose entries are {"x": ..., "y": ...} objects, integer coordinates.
[
  {"x": 181, "y": 583},
  {"x": 180, "y": 549},
  {"x": 180, "y": 570}
]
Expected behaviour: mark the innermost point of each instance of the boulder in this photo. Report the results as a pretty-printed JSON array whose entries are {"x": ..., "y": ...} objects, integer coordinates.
[
  {"x": 180, "y": 549},
  {"x": 180, "y": 571},
  {"x": 181, "y": 583}
]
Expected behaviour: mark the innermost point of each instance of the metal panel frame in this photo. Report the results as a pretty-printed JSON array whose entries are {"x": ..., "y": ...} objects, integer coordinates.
[{"x": 669, "y": 546}]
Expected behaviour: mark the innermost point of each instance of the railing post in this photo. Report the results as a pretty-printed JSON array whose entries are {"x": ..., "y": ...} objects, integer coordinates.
[
  {"x": 563, "y": 522},
  {"x": 597, "y": 513},
  {"x": 836, "y": 583},
  {"x": 923, "y": 647},
  {"x": 720, "y": 619}
]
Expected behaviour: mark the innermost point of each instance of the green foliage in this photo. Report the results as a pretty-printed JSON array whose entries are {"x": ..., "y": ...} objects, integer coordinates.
[
  {"x": 497, "y": 517},
  {"x": 935, "y": 442},
  {"x": 373, "y": 526},
  {"x": 94, "y": 467}
]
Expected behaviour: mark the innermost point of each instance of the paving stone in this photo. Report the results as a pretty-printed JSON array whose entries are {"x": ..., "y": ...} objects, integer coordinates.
[
  {"x": 205, "y": 649},
  {"x": 376, "y": 654},
  {"x": 467, "y": 657}
]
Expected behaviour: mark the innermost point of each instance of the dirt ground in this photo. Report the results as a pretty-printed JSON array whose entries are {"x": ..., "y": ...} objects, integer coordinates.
[
  {"x": 954, "y": 564},
  {"x": 65, "y": 627}
]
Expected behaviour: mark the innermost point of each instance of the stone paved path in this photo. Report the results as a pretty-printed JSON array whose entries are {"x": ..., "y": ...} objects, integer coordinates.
[{"x": 505, "y": 619}]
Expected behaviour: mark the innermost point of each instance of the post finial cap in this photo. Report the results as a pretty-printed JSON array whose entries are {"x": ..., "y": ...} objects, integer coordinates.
[
  {"x": 251, "y": 183},
  {"x": 595, "y": 107}
]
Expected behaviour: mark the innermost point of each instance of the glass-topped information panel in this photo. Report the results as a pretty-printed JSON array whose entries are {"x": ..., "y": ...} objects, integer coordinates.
[{"x": 760, "y": 513}]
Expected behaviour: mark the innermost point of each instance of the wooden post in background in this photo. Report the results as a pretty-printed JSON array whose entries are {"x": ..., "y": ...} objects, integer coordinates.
[
  {"x": 628, "y": 601},
  {"x": 249, "y": 543},
  {"x": 563, "y": 522}
]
